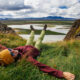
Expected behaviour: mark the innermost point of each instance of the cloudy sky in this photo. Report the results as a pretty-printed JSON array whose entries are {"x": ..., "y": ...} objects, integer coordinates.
[{"x": 39, "y": 8}]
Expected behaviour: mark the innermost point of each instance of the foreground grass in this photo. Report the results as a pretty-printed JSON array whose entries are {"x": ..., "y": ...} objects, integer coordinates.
[
  {"x": 48, "y": 32},
  {"x": 64, "y": 56}
]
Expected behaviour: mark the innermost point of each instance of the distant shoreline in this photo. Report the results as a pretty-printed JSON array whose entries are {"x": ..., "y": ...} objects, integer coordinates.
[{"x": 21, "y": 22}]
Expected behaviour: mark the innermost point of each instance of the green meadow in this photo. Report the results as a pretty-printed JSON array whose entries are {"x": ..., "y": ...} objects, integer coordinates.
[
  {"x": 64, "y": 56},
  {"x": 19, "y": 22},
  {"x": 37, "y": 32}
]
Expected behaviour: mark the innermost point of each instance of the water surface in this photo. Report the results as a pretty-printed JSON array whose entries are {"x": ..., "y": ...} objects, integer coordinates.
[{"x": 47, "y": 38}]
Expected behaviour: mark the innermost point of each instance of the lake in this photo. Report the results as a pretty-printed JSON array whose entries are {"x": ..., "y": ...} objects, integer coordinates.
[{"x": 47, "y": 38}]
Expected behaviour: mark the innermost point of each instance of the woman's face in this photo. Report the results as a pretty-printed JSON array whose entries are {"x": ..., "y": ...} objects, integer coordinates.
[{"x": 15, "y": 52}]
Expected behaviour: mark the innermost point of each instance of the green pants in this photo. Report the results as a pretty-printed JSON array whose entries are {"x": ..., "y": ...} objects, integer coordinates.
[{"x": 38, "y": 42}]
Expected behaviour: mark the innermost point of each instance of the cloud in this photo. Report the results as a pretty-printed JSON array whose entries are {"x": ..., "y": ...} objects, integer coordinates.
[
  {"x": 64, "y": 8},
  {"x": 13, "y": 5},
  {"x": 14, "y": 8},
  {"x": 39, "y": 8}
]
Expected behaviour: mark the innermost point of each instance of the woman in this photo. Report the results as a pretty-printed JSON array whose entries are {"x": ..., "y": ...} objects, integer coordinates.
[{"x": 30, "y": 52}]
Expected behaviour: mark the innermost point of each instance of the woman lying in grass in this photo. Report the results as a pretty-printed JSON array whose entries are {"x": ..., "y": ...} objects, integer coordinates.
[{"x": 30, "y": 52}]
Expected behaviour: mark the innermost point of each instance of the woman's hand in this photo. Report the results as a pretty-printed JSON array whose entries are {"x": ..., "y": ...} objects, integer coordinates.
[{"x": 68, "y": 76}]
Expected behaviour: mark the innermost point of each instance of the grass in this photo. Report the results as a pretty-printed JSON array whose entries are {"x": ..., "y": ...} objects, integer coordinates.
[
  {"x": 10, "y": 40},
  {"x": 27, "y": 31},
  {"x": 15, "y": 22},
  {"x": 48, "y": 25},
  {"x": 64, "y": 56}
]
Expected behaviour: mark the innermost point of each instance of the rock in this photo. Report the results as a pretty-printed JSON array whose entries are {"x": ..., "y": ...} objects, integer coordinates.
[
  {"x": 74, "y": 32},
  {"x": 5, "y": 29}
]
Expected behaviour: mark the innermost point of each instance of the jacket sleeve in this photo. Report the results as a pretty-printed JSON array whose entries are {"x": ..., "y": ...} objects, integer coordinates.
[
  {"x": 2, "y": 47},
  {"x": 45, "y": 68}
]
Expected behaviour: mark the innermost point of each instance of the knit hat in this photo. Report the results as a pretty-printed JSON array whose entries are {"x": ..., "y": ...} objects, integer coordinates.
[{"x": 6, "y": 57}]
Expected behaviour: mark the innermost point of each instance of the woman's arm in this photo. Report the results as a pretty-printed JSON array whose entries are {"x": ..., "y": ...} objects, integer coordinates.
[
  {"x": 51, "y": 71},
  {"x": 45, "y": 68}
]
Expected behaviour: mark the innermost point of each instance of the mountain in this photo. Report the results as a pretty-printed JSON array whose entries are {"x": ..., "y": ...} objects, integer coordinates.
[
  {"x": 56, "y": 18},
  {"x": 42, "y": 18}
]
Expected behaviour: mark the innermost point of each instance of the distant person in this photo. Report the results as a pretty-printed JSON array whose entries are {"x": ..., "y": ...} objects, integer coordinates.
[{"x": 29, "y": 52}]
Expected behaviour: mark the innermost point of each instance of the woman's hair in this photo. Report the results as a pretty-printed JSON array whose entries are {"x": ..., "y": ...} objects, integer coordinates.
[{"x": 18, "y": 57}]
